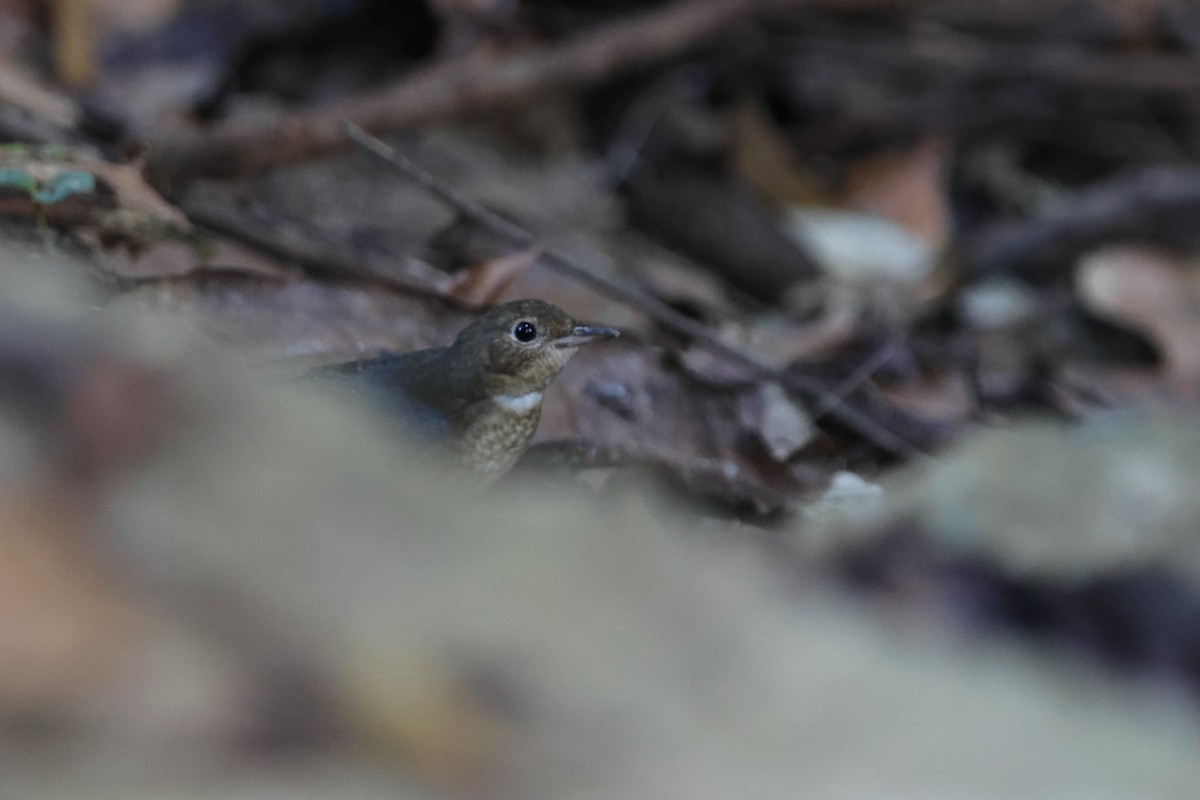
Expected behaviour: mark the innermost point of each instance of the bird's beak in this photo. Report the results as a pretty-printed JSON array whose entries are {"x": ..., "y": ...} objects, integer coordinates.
[{"x": 582, "y": 334}]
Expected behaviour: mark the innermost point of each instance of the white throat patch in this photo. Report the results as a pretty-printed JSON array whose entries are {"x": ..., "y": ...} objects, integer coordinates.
[{"x": 521, "y": 404}]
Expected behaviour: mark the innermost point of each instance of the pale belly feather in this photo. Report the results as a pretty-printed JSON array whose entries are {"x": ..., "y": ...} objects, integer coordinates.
[{"x": 492, "y": 442}]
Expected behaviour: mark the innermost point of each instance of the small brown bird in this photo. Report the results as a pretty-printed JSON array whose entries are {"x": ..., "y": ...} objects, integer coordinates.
[{"x": 482, "y": 395}]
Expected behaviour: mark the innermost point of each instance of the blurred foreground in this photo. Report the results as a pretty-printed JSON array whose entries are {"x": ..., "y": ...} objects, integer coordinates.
[{"x": 217, "y": 586}]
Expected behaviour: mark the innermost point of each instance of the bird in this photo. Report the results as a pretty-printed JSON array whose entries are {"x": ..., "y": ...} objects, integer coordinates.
[{"x": 480, "y": 398}]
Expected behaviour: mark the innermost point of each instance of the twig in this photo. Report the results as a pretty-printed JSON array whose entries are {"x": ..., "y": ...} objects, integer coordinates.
[
  {"x": 300, "y": 243},
  {"x": 660, "y": 312},
  {"x": 1154, "y": 203},
  {"x": 856, "y": 379},
  {"x": 459, "y": 87}
]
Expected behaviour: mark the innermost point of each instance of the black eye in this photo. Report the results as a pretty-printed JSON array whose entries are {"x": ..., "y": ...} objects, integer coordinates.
[{"x": 524, "y": 331}]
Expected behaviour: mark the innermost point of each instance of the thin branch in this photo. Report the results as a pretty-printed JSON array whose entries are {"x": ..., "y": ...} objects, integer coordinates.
[
  {"x": 856, "y": 379},
  {"x": 1158, "y": 204},
  {"x": 660, "y": 312},
  {"x": 297, "y": 242}
]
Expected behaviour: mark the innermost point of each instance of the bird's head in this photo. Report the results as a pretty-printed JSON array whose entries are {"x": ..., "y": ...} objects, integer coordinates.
[{"x": 522, "y": 345}]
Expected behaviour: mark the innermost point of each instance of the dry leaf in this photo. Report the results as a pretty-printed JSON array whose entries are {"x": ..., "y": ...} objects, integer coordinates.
[
  {"x": 862, "y": 248},
  {"x": 483, "y": 283},
  {"x": 23, "y": 91},
  {"x": 946, "y": 397},
  {"x": 782, "y": 426},
  {"x": 908, "y": 187},
  {"x": 1151, "y": 291},
  {"x": 715, "y": 370},
  {"x": 133, "y": 193},
  {"x": 786, "y": 342},
  {"x": 99, "y": 201},
  {"x": 763, "y": 159}
]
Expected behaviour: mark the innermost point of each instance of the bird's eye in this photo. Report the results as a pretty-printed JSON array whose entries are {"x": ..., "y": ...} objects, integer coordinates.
[{"x": 524, "y": 331}]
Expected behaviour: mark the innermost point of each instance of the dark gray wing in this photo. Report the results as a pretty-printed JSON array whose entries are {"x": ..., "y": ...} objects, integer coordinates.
[{"x": 415, "y": 389}]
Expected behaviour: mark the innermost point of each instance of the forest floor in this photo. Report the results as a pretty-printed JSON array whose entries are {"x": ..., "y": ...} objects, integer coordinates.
[{"x": 896, "y": 452}]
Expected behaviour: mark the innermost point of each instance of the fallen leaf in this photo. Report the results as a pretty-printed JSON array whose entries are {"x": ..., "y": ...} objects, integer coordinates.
[
  {"x": 763, "y": 159},
  {"x": 908, "y": 187},
  {"x": 784, "y": 342},
  {"x": 845, "y": 490},
  {"x": 1152, "y": 291},
  {"x": 782, "y": 425},
  {"x": 483, "y": 283},
  {"x": 714, "y": 370},
  {"x": 25, "y": 92},
  {"x": 860, "y": 247},
  {"x": 133, "y": 193},
  {"x": 110, "y": 202},
  {"x": 946, "y": 397}
]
